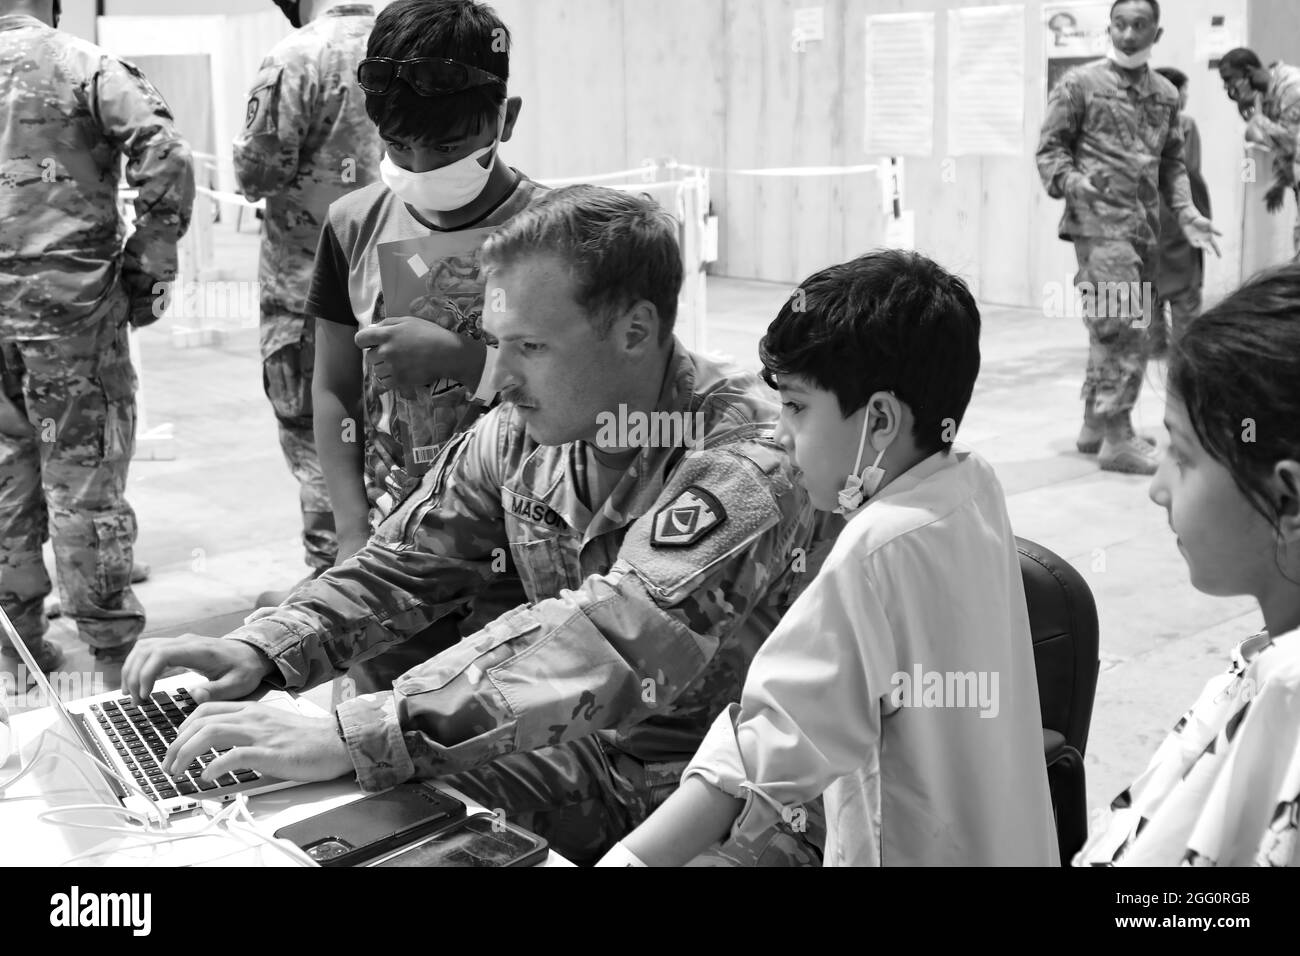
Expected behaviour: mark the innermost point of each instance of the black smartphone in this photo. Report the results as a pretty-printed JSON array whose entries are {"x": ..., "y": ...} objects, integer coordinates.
[
  {"x": 374, "y": 825},
  {"x": 478, "y": 840}
]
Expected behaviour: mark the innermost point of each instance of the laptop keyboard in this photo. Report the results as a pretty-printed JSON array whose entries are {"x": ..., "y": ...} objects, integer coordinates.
[{"x": 141, "y": 734}]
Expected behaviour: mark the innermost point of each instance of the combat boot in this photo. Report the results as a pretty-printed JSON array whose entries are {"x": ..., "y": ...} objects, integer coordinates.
[
  {"x": 1093, "y": 432},
  {"x": 49, "y": 656},
  {"x": 1126, "y": 452}
]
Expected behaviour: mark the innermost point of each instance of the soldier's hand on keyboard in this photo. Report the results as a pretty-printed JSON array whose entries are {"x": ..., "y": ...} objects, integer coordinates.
[
  {"x": 233, "y": 669},
  {"x": 269, "y": 739}
]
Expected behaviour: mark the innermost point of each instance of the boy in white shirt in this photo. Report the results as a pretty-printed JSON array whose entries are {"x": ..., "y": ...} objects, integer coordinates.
[{"x": 901, "y": 684}]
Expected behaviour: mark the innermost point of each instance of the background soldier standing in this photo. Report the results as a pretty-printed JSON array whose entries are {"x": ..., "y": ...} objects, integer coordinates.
[
  {"x": 68, "y": 289},
  {"x": 1182, "y": 265},
  {"x": 306, "y": 141},
  {"x": 1269, "y": 100},
  {"x": 1111, "y": 144}
]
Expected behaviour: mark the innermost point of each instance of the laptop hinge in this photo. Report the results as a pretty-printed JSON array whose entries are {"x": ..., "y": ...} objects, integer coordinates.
[{"x": 83, "y": 728}]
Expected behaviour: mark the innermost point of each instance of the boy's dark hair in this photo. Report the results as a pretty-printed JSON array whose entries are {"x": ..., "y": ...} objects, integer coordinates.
[
  {"x": 1240, "y": 60},
  {"x": 887, "y": 321},
  {"x": 1174, "y": 76},
  {"x": 1238, "y": 364},
  {"x": 462, "y": 30},
  {"x": 1154, "y": 4},
  {"x": 620, "y": 249}
]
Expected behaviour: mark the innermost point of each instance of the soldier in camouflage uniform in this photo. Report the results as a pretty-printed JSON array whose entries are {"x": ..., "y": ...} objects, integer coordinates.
[
  {"x": 1111, "y": 145},
  {"x": 69, "y": 290},
  {"x": 306, "y": 142},
  {"x": 650, "y": 575},
  {"x": 1269, "y": 100}
]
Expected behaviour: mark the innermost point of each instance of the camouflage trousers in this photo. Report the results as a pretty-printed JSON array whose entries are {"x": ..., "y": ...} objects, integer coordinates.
[
  {"x": 65, "y": 446},
  {"x": 1116, "y": 280},
  {"x": 586, "y": 795},
  {"x": 286, "y": 379},
  {"x": 1184, "y": 305}
]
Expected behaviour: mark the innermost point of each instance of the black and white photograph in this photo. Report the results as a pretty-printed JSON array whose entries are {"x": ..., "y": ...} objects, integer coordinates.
[{"x": 651, "y": 433}]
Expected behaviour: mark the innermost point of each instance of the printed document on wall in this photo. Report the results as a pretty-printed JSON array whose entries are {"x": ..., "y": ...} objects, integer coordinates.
[
  {"x": 900, "y": 84},
  {"x": 986, "y": 81}
]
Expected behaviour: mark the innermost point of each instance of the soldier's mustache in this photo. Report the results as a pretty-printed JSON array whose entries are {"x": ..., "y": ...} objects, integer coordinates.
[{"x": 515, "y": 397}]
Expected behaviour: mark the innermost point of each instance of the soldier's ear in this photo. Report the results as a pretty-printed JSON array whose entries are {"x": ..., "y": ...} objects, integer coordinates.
[
  {"x": 638, "y": 327},
  {"x": 513, "y": 105},
  {"x": 1160, "y": 31}
]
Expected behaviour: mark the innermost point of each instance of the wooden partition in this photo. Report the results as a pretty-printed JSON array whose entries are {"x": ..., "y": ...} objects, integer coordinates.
[{"x": 609, "y": 83}]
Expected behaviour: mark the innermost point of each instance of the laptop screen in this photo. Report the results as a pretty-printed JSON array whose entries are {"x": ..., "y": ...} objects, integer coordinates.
[{"x": 47, "y": 692}]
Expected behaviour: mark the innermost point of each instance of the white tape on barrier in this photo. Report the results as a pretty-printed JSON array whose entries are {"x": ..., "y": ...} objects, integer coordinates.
[{"x": 647, "y": 171}]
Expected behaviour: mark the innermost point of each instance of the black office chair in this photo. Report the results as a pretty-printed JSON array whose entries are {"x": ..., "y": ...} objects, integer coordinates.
[{"x": 1063, "y": 623}]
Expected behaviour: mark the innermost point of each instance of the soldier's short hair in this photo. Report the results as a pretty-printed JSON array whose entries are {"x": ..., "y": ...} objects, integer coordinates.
[
  {"x": 620, "y": 247},
  {"x": 462, "y": 30},
  {"x": 1236, "y": 369},
  {"x": 1154, "y": 4},
  {"x": 886, "y": 321},
  {"x": 1240, "y": 60}
]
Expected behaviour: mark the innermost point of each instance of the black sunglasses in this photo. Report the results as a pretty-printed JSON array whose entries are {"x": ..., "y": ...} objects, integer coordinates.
[{"x": 427, "y": 75}]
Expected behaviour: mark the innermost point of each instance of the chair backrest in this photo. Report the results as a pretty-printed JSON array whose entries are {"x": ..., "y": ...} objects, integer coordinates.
[{"x": 1063, "y": 622}]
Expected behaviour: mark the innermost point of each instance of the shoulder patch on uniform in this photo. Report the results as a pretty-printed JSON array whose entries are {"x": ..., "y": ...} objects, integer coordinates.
[
  {"x": 686, "y": 519},
  {"x": 259, "y": 115}
]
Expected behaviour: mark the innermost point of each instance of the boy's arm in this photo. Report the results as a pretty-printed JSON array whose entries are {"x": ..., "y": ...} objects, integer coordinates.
[
  {"x": 336, "y": 393},
  {"x": 340, "y": 433},
  {"x": 811, "y": 709},
  {"x": 693, "y": 819}
]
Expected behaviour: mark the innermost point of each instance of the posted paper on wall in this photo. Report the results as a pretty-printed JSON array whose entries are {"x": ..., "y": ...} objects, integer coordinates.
[
  {"x": 1075, "y": 34},
  {"x": 986, "y": 81},
  {"x": 900, "y": 84}
]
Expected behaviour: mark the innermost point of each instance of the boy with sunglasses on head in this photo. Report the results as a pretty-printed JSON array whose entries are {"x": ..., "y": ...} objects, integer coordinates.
[
  {"x": 434, "y": 78},
  {"x": 901, "y": 683}
]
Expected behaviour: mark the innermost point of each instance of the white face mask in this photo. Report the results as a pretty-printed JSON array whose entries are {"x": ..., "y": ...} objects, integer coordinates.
[
  {"x": 861, "y": 485},
  {"x": 1133, "y": 61},
  {"x": 447, "y": 188}
]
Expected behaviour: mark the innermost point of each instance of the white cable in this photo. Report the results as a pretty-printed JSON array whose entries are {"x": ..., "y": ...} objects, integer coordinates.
[
  {"x": 288, "y": 849},
  {"x": 213, "y": 821}
]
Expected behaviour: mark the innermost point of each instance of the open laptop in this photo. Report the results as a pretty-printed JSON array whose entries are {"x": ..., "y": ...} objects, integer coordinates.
[{"x": 132, "y": 740}]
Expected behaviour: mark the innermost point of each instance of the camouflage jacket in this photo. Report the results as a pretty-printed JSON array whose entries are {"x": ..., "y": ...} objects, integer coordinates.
[
  {"x": 644, "y": 616},
  {"x": 1123, "y": 135},
  {"x": 306, "y": 142},
  {"x": 71, "y": 112},
  {"x": 1276, "y": 124}
]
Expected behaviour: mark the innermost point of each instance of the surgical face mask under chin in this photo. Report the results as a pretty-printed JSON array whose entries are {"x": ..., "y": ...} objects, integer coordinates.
[
  {"x": 861, "y": 485},
  {"x": 1131, "y": 61}
]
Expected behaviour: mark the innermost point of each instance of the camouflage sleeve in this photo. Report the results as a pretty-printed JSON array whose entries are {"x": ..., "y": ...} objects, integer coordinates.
[
  {"x": 275, "y": 120},
  {"x": 577, "y": 663},
  {"x": 134, "y": 117},
  {"x": 1175, "y": 186},
  {"x": 443, "y": 546},
  {"x": 1060, "y": 133}
]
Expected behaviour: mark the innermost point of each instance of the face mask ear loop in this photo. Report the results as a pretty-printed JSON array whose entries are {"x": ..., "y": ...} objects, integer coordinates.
[
  {"x": 851, "y": 496},
  {"x": 862, "y": 444}
]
